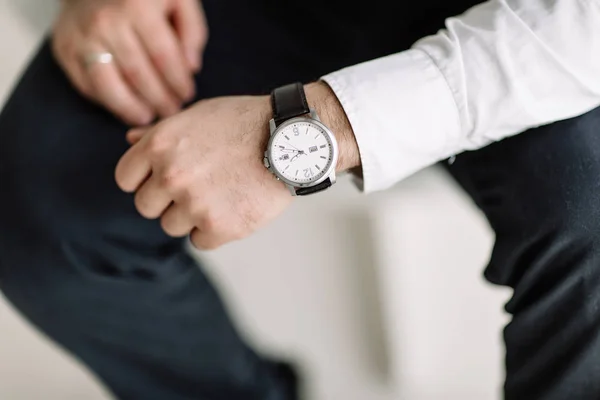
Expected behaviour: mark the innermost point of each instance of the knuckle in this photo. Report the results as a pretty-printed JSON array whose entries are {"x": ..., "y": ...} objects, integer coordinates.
[
  {"x": 158, "y": 143},
  {"x": 169, "y": 228},
  {"x": 101, "y": 21},
  {"x": 208, "y": 223},
  {"x": 173, "y": 179},
  {"x": 142, "y": 207},
  {"x": 122, "y": 178},
  {"x": 196, "y": 209},
  {"x": 205, "y": 242},
  {"x": 133, "y": 74}
]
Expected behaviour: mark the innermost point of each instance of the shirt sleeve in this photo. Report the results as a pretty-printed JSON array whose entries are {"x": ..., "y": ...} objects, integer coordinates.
[{"x": 499, "y": 69}]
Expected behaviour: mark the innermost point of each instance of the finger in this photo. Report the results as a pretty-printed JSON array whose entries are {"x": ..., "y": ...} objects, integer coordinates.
[
  {"x": 166, "y": 54},
  {"x": 111, "y": 90},
  {"x": 135, "y": 135},
  {"x": 191, "y": 27},
  {"x": 137, "y": 69},
  {"x": 133, "y": 168},
  {"x": 80, "y": 79},
  {"x": 206, "y": 241},
  {"x": 176, "y": 222},
  {"x": 68, "y": 58},
  {"x": 151, "y": 200}
]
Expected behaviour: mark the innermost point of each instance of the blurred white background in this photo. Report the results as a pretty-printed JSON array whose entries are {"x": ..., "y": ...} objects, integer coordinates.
[{"x": 377, "y": 298}]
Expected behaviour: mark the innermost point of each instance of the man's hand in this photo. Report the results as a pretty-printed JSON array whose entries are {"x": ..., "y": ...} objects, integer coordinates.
[
  {"x": 201, "y": 171},
  {"x": 156, "y": 47}
]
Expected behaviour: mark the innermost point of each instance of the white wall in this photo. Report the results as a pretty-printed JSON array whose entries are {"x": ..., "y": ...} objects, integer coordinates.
[{"x": 378, "y": 297}]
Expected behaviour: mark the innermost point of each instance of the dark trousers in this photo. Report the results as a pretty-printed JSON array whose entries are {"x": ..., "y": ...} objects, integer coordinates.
[{"x": 80, "y": 263}]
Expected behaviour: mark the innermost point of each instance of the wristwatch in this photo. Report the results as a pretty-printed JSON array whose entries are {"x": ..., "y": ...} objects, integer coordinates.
[{"x": 302, "y": 152}]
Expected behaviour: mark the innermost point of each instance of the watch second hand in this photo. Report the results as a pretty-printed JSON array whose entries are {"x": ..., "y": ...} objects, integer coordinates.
[{"x": 293, "y": 146}]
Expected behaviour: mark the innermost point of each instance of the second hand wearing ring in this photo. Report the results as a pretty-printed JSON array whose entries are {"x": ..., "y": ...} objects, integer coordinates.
[{"x": 130, "y": 85}]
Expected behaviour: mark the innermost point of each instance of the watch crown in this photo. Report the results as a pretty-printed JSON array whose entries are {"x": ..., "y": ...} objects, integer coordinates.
[{"x": 266, "y": 162}]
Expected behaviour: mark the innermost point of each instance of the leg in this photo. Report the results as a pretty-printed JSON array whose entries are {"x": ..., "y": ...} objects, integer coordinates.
[
  {"x": 101, "y": 281},
  {"x": 81, "y": 264},
  {"x": 540, "y": 193}
]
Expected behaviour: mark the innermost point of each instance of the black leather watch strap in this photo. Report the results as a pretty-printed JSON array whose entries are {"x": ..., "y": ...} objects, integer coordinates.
[
  {"x": 289, "y": 101},
  {"x": 313, "y": 189}
]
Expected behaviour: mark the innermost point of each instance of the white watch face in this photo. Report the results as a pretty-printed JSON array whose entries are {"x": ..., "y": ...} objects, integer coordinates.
[{"x": 302, "y": 152}]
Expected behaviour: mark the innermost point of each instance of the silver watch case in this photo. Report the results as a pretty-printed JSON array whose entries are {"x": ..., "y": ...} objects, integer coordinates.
[{"x": 329, "y": 173}]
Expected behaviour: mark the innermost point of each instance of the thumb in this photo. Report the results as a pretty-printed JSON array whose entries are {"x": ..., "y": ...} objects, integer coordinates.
[
  {"x": 134, "y": 135},
  {"x": 190, "y": 25}
]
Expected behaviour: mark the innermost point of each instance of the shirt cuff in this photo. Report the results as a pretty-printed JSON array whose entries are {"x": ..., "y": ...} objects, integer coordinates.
[{"x": 402, "y": 112}]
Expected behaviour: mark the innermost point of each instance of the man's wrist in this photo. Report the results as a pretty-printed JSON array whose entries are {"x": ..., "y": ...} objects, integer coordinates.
[{"x": 320, "y": 97}]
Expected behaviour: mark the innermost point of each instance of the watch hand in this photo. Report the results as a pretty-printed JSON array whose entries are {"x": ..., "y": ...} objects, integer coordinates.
[
  {"x": 293, "y": 151},
  {"x": 294, "y": 147}
]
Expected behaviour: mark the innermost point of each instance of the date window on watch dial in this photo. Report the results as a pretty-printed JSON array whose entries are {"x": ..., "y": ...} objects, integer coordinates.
[
  {"x": 284, "y": 157},
  {"x": 312, "y": 149}
]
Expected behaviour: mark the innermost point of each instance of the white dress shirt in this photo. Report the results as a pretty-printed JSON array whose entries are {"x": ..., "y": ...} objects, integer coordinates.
[{"x": 502, "y": 67}]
